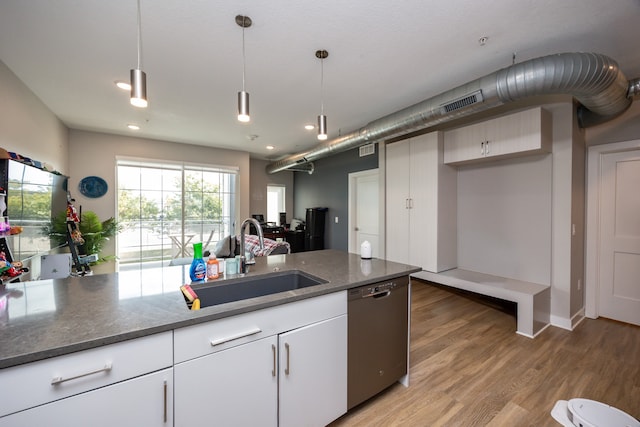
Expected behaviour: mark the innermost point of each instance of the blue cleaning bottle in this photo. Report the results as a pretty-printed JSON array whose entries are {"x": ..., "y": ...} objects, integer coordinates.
[{"x": 198, "y": 269}]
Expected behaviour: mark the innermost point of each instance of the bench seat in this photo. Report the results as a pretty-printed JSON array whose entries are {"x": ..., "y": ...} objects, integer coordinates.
[{"x": 533, "y": 299}]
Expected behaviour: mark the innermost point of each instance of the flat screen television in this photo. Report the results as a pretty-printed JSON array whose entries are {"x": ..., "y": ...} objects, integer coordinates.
[{"x": 33, "y": 197}]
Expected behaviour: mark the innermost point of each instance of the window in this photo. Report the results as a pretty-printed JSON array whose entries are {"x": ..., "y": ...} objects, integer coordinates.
[
  {"x": 165, "y": 208},
  {"x": 275, "y": 203}
]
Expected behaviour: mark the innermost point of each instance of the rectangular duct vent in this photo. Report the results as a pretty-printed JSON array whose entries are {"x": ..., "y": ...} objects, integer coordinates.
[
  {"x": 457, "y": 104},
  {"x": 367, "y": 150}
]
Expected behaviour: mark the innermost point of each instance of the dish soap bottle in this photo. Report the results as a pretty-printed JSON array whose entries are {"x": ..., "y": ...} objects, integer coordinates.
[
  {"x": 198, "y": 269},
  {"x": 213, "y": 267}
]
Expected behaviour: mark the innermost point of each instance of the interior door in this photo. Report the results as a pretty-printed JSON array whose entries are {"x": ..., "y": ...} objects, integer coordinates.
[
  {"x": 619, "y": 287},
  {"x": 365, "y": 211}
]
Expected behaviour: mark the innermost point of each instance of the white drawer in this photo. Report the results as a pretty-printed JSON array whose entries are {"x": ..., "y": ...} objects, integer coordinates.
[
  {"x": 33, "y": 384},
  {"x": 198, "y": 340}
]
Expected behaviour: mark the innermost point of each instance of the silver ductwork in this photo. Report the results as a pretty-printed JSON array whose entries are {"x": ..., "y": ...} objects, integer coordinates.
[{"x": 593, "y": 79}]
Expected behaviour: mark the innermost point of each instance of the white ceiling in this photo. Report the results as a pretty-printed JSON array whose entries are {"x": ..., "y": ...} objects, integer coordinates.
[{"x": 383, "y": 56}]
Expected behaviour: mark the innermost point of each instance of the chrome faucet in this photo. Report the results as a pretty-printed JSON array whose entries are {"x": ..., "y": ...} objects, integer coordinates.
[{"x": 244, "y": 268}]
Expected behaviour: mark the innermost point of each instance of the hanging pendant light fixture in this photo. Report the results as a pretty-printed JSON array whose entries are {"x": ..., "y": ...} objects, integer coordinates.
[
  {"x": 322, "y": 119},
  {"x": 243, "y": 96},
  {"x": 138, "y": 77}
]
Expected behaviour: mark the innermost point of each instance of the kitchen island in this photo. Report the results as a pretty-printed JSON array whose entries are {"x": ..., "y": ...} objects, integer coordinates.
[{"x": 68, "y": 317}]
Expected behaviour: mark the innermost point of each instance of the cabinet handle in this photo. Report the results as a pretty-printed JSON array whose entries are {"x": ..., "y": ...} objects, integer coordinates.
[
  {"x": 273, "y": 350},
  {"x": 410, "y": 203},
  {"x": 60, "y": 380},
  {"x": 286, "y": 370},
  {"x": 239, "y": 335},
  {"x": 165, "y": 401},
  {"x": 486, "y": 148},
  {"x": 482, "y": 148}
]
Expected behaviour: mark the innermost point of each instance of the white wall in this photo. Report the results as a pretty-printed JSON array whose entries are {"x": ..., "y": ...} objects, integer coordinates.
[
  {"x": 92, "y": 153},
  {"x": 28, "y": 127},
  {"x": 623, "y": 128},
  {"x": 504, "y": 218}
]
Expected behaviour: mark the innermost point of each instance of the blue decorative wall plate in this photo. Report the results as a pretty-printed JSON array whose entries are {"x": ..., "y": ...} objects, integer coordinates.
[{"x": 93, "y": 187}]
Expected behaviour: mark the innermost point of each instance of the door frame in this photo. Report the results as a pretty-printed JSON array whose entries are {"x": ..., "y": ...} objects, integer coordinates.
[
  {"x": 353, "y": 208},
  {"x": 592, "y": 254}
]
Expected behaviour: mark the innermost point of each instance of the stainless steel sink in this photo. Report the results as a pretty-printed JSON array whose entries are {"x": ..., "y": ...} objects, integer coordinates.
[{"x": 246, "y": 287}]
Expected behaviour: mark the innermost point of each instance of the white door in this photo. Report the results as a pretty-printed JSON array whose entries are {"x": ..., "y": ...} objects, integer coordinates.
[
  {"x": 233, "y": 387},
  {"x": 619, "y": 278},
  {"x": 313, "y": 374},
  {"x": 364, "y": 210}
]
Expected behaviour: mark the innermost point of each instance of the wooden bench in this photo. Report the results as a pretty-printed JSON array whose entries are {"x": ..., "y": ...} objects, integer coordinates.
[{"x": 533, "y": 299}]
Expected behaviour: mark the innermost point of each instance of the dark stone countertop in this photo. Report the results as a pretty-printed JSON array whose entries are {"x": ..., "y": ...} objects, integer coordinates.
[{"x": 48, "y": 318}]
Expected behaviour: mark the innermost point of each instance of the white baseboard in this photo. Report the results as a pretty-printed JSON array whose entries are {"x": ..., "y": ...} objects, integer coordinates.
[{"x": 568, "y": 324}]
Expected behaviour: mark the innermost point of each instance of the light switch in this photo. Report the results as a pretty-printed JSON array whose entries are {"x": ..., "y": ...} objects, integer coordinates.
[{"x": 336, "y": 220}]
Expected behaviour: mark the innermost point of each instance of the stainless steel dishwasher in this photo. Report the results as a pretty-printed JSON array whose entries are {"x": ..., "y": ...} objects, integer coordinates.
[{"x": 377, "y": 346}]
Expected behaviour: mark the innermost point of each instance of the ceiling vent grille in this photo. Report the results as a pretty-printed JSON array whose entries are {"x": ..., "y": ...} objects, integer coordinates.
[
  {"x": 367, "y": 150},
  {"x": 459, "y": 103}
]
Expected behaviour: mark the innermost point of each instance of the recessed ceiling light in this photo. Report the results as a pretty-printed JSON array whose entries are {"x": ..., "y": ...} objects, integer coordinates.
[
  {"x": 123, "y": 85},
  {"x": 133, "y": 127},
  {"x": 309, "y": 127},
  {"x": 270, "y": 147}
]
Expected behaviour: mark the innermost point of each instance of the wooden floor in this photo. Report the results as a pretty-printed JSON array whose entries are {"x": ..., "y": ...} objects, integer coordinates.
[{"x": 470, "y": 368}]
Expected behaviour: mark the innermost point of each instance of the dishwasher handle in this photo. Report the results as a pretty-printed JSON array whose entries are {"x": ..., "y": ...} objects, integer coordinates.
[{"x": 379, "y": 294}]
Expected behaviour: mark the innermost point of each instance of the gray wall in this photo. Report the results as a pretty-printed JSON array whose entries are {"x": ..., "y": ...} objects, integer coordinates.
[{"x": 328, "y": 187}]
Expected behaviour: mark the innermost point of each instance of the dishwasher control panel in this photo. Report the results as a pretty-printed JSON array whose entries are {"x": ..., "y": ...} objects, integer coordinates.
[{"x": 372, "y": 290}]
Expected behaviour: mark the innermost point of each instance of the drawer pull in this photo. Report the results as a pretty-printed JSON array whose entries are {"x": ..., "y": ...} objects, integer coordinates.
[
  {"x": 60, "y": 380},
  {"x": 239, "y": 335}
]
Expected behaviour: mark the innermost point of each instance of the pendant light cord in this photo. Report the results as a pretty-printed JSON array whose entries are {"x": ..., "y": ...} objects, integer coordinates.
[
  {"x": 244, "y": 59},
  {"x": 139, "y": 38},
  {"x": 321, "y": 85}
]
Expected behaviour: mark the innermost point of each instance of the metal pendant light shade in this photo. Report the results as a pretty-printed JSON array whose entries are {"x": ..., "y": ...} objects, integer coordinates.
[
  {"x": 322, "y": 119},
  {"x": 138, "y": 88},
  {"x": 243, "y": 96},
  {"x": 138, "y": 77},
  {"x": 243, "y": 106},
  {"x": 322, "y": 127}
]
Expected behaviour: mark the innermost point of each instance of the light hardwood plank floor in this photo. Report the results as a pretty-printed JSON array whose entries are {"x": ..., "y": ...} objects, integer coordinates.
[{"x": 470, "y": 368}]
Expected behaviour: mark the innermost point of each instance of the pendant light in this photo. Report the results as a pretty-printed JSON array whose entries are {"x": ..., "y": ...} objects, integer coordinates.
[
  {"x": 138, "y": 77},
  {"x": 322, "y": 119},
  {"x": 243, "y": 96}
]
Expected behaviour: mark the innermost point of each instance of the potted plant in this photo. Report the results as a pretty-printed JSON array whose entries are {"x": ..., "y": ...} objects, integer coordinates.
[{"x": 94, "y": 232}]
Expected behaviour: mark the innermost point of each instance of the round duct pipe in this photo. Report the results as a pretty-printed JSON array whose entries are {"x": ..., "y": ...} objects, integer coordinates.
[{"x": 595, "y": 80}]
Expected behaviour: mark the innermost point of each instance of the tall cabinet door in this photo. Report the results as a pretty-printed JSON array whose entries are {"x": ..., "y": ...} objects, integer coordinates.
[
  {"x": 313, "y": 374},
  {"x": 421, "y": 204},
  {"x": 422, "y": 200},
  {"x": 398, "y": 201}
]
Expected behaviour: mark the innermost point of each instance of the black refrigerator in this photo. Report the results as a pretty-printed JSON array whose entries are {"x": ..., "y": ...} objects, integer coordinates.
[{"x": 314, "y": 229}]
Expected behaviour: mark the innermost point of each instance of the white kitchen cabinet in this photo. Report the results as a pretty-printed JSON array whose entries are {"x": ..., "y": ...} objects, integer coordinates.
[
  {"x": 142, "y": 401},
  {"x": 421, "y": 204},
  {"x": 235, "y": 367},
  {"x": 518, "y": 134},
  {"x": 105, "y": 386},
  {"x": 313, "y": 373},
  {"x": 233, "y": 387}
]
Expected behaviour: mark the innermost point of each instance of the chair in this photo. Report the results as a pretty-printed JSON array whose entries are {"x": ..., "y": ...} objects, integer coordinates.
[{"x": 206, "y": 245}]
